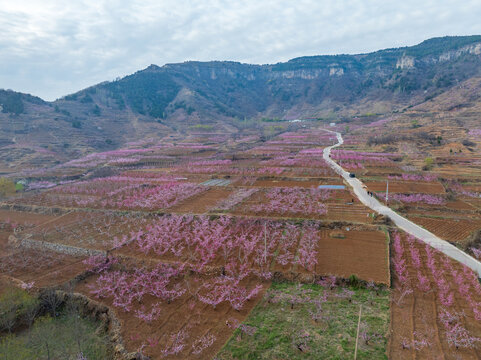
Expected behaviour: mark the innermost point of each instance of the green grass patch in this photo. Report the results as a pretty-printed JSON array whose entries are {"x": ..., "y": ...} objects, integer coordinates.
[
  {"x": 286, "y": 328},
  {"x": 202, "y": 127},
  {"x": 63, "y": 337}
]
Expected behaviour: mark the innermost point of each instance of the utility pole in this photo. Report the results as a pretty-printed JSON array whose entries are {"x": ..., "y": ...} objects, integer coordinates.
[
  {"x": 265, "y": 243},
  {"x": 387, "y": 191},
  {"x": 357, "y": 335}
]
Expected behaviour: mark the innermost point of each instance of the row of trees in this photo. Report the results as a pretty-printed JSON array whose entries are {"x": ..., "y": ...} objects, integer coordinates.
[{"x": 448, "y": 284}]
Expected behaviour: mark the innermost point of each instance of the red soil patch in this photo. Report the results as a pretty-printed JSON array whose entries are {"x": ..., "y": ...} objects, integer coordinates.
[
  {"x": 185, "y": 313},
  {"x": 90, "y": 230},
  {"x": 474, "y": 202},
  {"x": 349, "y": 213},
  {"x": 444, "y": 209},
  {"x": 417, "y": 316},
  {"x": 52, "y": 199},
  {"x": 454, "y": 171},
  {"x": 455, "y": 230},
  {"x": 43, "y": 267},
  {"x": 362, "y": 253},
  {"x": 344, "y": 253},
  {"x": 343, "y": 197},
  {"x": 286, "y": 183},
  {"x": 407, "y": 187},
  {"x": 24, "y": 218},
  {"x": 203, "y": 202},
  {"x": 476, "y": 188},
  {"x": 459, "y": 205}
]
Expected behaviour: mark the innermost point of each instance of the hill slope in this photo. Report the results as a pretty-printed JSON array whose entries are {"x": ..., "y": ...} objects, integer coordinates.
[{"x": 157, "y": 101}]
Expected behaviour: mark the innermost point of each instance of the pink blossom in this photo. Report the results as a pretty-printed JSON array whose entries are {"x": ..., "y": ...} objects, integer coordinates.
[
  {"x": 416, "y": 198},
  {"x": 414, "y": 177},
  {"x": 202, "y": 343},
  {"x": 294, "y": 200}
]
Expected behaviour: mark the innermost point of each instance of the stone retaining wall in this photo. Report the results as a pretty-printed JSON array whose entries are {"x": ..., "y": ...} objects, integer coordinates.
[{"x": 60, "y": 248}]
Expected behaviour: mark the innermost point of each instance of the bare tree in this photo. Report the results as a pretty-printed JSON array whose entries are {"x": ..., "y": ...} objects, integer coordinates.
[
  {"x": 31, "y": 310},
  {"x": 51, "y": 301},
  {"x": 8, "y": 316}
]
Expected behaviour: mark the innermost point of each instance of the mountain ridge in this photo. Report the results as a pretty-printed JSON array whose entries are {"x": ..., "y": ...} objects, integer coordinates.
[
  {"x": 160, "y": 100},
  {"x": 439, "y": 41}
]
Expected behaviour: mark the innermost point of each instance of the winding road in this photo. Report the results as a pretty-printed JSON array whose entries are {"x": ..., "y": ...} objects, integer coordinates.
[{"x": 400, "y": 221}]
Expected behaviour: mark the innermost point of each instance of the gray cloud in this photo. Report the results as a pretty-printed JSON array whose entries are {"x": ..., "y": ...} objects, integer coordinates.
[{"x": 51, "y": 48}]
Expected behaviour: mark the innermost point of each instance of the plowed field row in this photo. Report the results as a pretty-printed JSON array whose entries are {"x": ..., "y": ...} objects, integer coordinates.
[
  {"x": 417, "y": 316},
  {"x": 455, "y": 230}
]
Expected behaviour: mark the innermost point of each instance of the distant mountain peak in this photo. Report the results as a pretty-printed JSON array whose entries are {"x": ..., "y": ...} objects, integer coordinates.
[{"x": 152, "y": 67}]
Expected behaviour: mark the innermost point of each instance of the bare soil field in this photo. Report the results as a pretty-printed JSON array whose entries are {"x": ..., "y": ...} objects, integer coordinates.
[
  {"x": 184, "y": 321},
  {"x": 460, "y": 205},
  {"x": 356, "y": 213},
  {"x": 287, "y": 183},
  {"x": 87, "y": 230},
  {"x": 27, "y": 219},
  {"x": 202, "y": 203},
  {"x": 418, "y": 319},
  {"x": 42, "y": 267},
  {"x": 474, "y": 202},
  {"x": 355, "y": 252},
  {"x": 407, "y": 187},
  {"x": 455, "y": 230}
]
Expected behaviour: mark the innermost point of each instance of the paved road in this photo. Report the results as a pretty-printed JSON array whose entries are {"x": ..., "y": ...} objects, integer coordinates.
[{"x": 403, "y": 223}]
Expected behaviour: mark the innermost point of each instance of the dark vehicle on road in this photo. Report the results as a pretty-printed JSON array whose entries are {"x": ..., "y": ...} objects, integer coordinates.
[{"x": 352, "y": 175}]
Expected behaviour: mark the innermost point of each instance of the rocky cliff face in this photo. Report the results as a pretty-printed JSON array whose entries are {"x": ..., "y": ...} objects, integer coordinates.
[
  {"x": 318, "y": 78},
  {"x": 405, "y": 62}
]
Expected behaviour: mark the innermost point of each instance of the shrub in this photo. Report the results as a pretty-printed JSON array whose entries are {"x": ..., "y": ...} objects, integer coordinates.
[
  {"x": 16, "y": 305},
  {"x": 469, "y": 143},
  {"x": 86, "y": 99},
  {"x": 96, "y": 110},
  {"x": 354, "y": 281},
  {"x": 11, "y": 102},
  {"x": 201, "y": 126},
  {"x": 7, "y": 187},
  {"x": 66, "y": 337},
  {"x": 428, "y": 163}
]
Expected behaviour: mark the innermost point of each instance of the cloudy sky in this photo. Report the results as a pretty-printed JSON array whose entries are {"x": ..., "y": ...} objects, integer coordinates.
[{"x": 52, "y": 48}]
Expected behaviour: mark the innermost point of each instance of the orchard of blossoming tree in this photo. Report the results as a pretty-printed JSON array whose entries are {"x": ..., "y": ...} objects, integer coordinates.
[{"x": 238, "y": 238}]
